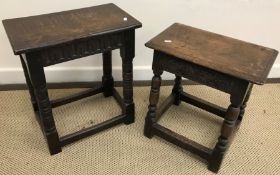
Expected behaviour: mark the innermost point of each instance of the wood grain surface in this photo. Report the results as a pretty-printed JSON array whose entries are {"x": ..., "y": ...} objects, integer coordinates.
[
  {"x": 29, "y": 33},
  {"x": 237, "y": 58}
]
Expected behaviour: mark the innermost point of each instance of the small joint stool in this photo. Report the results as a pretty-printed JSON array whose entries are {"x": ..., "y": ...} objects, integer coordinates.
[
  {"x": 50, "y": 39},
  {"x": 220, "y": 62}
]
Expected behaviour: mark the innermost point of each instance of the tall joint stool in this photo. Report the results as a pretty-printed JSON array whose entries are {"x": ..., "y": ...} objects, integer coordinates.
[
  {"x": 223, "y": 63},
  {"x": 49, "y": 39}
]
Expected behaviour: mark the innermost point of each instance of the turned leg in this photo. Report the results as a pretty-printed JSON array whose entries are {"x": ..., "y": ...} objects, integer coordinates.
[
  {"x": 107, "y": 79},
  {"x": 177, "y": 90},
  {"x": 127, "y": 54},
  {"x": 221, "y": 146},
  {"x": 29, "y": 84},
  {"x": 243, "y": 106},
  {"x": 154, "y": 96},
  {"x": 45, "y": 111},
  {"x": 228, "y": 127}
]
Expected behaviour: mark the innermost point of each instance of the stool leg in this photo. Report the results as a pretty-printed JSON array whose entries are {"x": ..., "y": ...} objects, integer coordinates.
[
  {"x": 46, "y": 117},
  {"x": 221, "y": 146},
  {"x": 107, "y": 79},
  {"x": 177, "y": 90},
  {"x": 226, "y": 131},
  {"x": 29, "y": 84},
  {"x": 127, "y": 53},
  {"x": 242, "y": 108},
  {"x": 154, "y": 96},
  {"x": 128, "y": 91}
]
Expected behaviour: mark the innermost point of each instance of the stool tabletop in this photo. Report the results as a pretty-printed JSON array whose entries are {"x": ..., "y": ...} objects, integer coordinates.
[
  {"x": 217, "y": 52},
  {"x": 34, "y": 32}
]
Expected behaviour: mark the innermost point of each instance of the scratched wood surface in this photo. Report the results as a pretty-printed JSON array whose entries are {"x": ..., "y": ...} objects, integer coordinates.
[
  {"x": 227, "y": 55},
  {"x": 29, "y": 33}
]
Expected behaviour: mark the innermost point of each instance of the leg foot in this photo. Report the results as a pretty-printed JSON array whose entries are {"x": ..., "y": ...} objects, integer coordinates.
[
  {"x": 130, "y": 114},
  {"x": 217, "y": 155},
  {"x": 53, "y": 143},
  {"x": 148, "y": 130}
]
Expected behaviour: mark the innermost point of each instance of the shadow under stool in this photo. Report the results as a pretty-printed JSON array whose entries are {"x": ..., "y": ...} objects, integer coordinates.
[
  {"x": 49, "y": 39},
  {"x": 220, "y": 62}
]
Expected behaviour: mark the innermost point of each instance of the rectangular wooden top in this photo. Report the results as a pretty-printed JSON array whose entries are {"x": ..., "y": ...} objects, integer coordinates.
[
  {"x": 220, "y": 53},
  {"x": 34, "y": 32}
]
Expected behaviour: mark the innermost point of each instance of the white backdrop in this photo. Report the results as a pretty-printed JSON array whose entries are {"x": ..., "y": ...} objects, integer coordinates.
[{"x": 256, "y": 21}]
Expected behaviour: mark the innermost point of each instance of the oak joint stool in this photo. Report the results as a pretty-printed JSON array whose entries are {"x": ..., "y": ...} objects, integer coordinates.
[
  {"x": 50, "y": 39},
  {"x": 220, "y": 62}
]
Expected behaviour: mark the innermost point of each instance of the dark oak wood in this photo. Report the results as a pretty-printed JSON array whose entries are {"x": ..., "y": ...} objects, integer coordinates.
[
  {"x": 127, "y": 54},
  {"x": 182, "y": 142},
  {"x": 177, "y": 90},
  {"x": 29, "y": 84},
  {"x": 247, "y": 61},
  {"x": 50, "y": 39},
  {"x": 242, "y": 108},
  {"x": 70, "y": 138},
  {"x": 197, "y": 73},
  {"x": 107, "y": 79},
  {"x": 223, "y": 63},
  {"x": 87, "y": 93},
  {"x": 35, "y": 32},
  {"x": 202, "y": 104},
  {"x": 81, "y": 48},
  {"x": 46, "y": 119},
  {"x": 227, "y": 129},
  {"x": 154, "y": 96}
]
